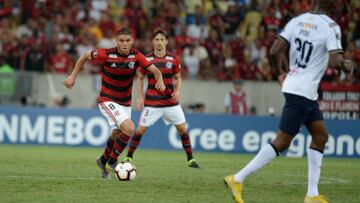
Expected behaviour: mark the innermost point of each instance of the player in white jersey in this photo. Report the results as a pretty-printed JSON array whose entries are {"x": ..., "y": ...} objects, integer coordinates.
[{"x": 310, "y": 41}]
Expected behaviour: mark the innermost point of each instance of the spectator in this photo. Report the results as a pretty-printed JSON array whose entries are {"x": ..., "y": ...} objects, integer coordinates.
[
  {"x": 26, "y": 29},
  {"x": 106, "y": 24},
  {"x": 235, "y": 102},
  {"x": 97, "y": 7},
  {"x": 214, "y": 47},
  {"x": 232, "y": 21},
  {"x": 257, "y": 51},
  {"x": 60, "y": 61},
  {"x": 107, "y": 41},
  {"x": 248, "y": 70},
  {"x": 228, "y": 66},
  {"x": 249, "y": 30},
  {"x": 270, "y": 21},
  {"x": 217, "y": 20},
  {"x": 196, "y": 15},
  {"x": 173, "y": 11},
  {"x": 139, "y": 19},
  {"x": 266, "y": 71},
  {"x": 197, "y": 31},
  {"x": 191, "y": 62},
  {"x": 206, "y": 70},
  {"x": 199, "y": 51},
  {"x": 19, "y": 53},
  {"x": 174, "y": 47},
  {"x": 237, "y": 46},
  {"x": 7, "y": 79},
  {"x": 5, "y": 9},
  {"x": 34, "y": 59}
]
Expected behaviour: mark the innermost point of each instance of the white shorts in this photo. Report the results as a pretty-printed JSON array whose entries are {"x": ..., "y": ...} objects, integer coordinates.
[
  {"x": 115, "y": 113},
  {"x": 171, "y": 115}
]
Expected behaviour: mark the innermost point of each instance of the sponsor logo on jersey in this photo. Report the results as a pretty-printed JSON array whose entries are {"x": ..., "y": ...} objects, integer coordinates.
[
  {"x": 169, "y": 58},
  {"x": 113, "y": 65},
  {"x": 168, "y": 65},
  {"x": 307, "y": 26},
  {"x": 112, "y": 56},
  {"x": 131, "y": 64}
]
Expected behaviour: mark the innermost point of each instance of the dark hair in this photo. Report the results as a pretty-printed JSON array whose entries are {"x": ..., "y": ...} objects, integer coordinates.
[
  {"x": 124, "y": 31},
  {"x": 159, "y": 31}
]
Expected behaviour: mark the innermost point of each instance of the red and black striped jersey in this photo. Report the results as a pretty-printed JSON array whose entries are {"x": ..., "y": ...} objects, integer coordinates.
[
  {"x": 169, "y": 65},
  {"x": 117, "y": 73}
]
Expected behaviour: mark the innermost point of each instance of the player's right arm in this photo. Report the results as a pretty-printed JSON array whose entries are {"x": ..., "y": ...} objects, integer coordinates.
[
  {"x": 279, "y": 48},
  {"x": 140, "y": 87},
  {"x": 69, "y": 82}
]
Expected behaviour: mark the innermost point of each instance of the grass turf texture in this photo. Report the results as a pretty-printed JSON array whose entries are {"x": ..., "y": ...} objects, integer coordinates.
[{"x": 69, "y": 174}]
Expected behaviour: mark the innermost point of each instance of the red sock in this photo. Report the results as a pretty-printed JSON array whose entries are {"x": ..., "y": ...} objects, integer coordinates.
[
  {"x": 105, "y": 156},
  {"x": 135, "y": 141},
  {"x": 185, "y": 139},
  {"x": 119, "y": 145}
]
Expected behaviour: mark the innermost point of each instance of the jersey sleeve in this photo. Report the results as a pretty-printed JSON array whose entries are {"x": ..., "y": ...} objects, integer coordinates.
[
  {"x": 177, "y": 67},
  {"x": 333, "y": 40},
  {"x": 98, "y": 56},
  {"x": 285, "y": 33},
  {"x": 143, "y": 71},
  {"x": 144, "y": 63}
]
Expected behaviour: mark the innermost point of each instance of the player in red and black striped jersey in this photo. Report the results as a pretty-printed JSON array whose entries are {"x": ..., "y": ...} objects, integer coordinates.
[
  {"x": 119, "y": 67},
  {"x": 161, "y": 104},
  {"x": 169, "y": 65}
]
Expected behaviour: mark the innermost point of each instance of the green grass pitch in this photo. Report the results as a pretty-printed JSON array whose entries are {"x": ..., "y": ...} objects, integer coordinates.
[{"x": 70, "y": 174}]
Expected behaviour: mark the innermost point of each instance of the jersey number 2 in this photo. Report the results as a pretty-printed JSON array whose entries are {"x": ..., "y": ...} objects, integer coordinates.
[{"x": 305, "y": 48}]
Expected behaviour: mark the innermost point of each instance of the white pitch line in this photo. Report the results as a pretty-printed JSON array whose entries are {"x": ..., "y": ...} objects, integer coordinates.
[{"x": 52, "y": 177}]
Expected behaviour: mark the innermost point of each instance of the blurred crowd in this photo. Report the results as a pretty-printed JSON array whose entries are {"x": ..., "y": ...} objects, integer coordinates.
[{"x": 216, "y": 39}]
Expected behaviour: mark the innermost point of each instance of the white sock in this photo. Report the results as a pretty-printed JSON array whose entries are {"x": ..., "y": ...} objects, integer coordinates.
[
  {"x": 264, "y": 156},
  {"x": 314, "y": 169}
]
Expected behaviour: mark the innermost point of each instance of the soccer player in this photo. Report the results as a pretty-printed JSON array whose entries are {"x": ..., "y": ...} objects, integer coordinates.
[
  {"x": 311, "y": 41},
  {"x": 119, "y": 66},
  {"x": 161, "y": 104}
]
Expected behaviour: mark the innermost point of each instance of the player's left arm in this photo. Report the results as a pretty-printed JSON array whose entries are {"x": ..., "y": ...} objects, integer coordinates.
[
  {"x": 278, "y": 50},
  {"x": 176, "y": 94},
  {"x": 158, "y": 76},
  {"x": 148, "y": 66},
  {"x": 336, "y": 57},
  {"x": 337, "y": 60},
  {"x": 69, "y": 82},
  {"x": 177, "y": 79}
]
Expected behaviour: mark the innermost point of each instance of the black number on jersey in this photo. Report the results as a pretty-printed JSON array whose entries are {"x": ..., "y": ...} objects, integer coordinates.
[
  {"x": 111, "y": 106},
  {"x": 305, "y": 49}
]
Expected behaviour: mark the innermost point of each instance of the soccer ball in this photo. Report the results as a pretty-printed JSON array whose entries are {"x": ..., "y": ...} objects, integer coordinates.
[{"x": 125, "y": 171}]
